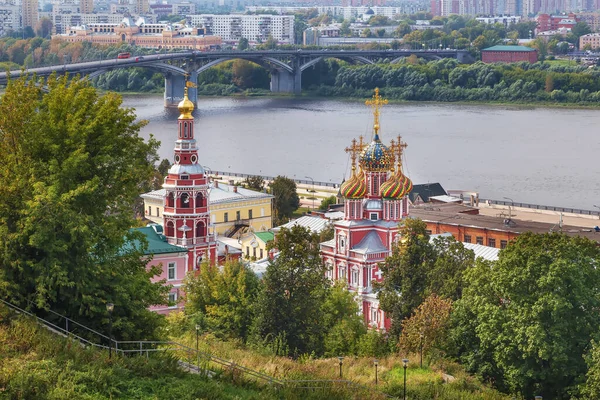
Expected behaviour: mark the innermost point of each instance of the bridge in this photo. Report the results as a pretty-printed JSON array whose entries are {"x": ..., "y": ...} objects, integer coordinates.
[{"x": 285, "y": 66}]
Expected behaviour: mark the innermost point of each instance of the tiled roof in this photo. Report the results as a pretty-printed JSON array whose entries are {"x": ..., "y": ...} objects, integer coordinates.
[{"x": 425, "y": 191}]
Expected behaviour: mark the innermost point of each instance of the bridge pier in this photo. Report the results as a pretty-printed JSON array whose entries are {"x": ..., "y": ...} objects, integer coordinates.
[
  {"x": 174, "y": 85},
  {"x": 283, "y": 81}
]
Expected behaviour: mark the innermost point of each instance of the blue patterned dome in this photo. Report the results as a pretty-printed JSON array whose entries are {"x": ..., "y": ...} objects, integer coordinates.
[{"x": 376, "y": 156}]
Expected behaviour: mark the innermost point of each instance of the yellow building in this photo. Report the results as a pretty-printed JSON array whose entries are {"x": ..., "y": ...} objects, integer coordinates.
[
  {"x": 254, "y": 245},
  {"x": 233, "y": 209}
]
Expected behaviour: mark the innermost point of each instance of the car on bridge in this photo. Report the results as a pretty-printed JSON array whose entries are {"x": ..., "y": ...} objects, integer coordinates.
[{"x": 140, "y": 58}]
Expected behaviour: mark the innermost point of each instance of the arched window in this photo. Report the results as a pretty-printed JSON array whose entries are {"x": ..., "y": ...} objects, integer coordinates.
[
  {"x": 170, "y": 229},
  {"x": 170, "y": 200},
  {"x": 185, "y": 130},
  {"x": 200, "y": 200},
  {"x": 200, "y": 229},
  {"x": 185, "y": 200}
]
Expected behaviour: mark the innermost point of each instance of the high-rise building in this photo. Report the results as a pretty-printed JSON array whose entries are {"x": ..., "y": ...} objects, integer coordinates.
[
  {"x": 86, "y": 6},
  {"x": 29, "y": 13},
  {"x": 10, "y": 18},
  {"x": 255, "y": 28},
  {"x": 142, "y": 6}
]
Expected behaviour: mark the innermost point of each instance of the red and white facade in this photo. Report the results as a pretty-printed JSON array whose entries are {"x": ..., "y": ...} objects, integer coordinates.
[
  {"x": 186, "y": 216},
  {"x": 375, "y": 203}
]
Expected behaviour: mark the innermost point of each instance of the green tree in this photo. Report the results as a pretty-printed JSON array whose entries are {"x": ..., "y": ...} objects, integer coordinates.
[
  {"x": 255, "y": 183},
  {"x": 243, "y": 44},
  {"x": 580, "y": 28},
  {"x": 224, "y": 296},
  {"x": 286, "y": 198},
  {"x": 294, "y": 289},
  {"x": 43, "y": 28},
  {"x": 445, "y": 278},
  {"x": 70, "y": 166},
  {"x": 271, "y": 43},
  {"x": 325, "y": 203},
  {"x": 527, "y": 322},
  {"x": 341, "y": 321},
  {"x": 405, "y": 272},
  {"x": 345, "y": 28}
]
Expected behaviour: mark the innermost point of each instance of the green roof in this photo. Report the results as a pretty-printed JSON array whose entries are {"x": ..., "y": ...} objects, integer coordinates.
[
  {"x": 265, "y": 236},
  {"x": 157, "y": 244},
  {"x": 509, "y": 48}
]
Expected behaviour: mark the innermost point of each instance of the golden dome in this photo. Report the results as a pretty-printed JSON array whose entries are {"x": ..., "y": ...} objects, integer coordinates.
[{"x": 185, "y": 106}]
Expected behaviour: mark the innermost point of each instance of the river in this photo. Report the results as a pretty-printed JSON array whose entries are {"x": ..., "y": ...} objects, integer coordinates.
[{"x": 535, "y": 155}]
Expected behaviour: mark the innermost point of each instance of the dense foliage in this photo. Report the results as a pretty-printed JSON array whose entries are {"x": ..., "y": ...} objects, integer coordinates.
[
  {"x": 527, "y": 322},
  {"x": 71, "y": 163},
  {"x": 286, "y": 199}
]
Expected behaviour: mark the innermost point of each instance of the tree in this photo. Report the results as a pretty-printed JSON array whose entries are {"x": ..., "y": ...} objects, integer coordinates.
[
  {"x": 271, "y": 43},
  {"x": 286, "y": 198},
  {"x": 43, "y": 28},
  {"x": 341, "y": 321},
  {"x": 366, "y": 33},
  {"x": 224, "y": 296},
  {"x": 527, "y": 322},
  {"x": 405, "y": 273},
  {"x": 402, "y": 29},
  {"x": 255, "y": 183},
  {"x": 243, "y": 44},
  {"x": 294, "y": 289},
  {"x": 445, "y": 278},
  {"x": 70, "y": 166},
  {"x": 427, "y": 328},
  {"x": 379, "y": 20},
  {"x": 325, "y": 203},
  {"x": 380, "y": 33},
  {"x": 580, "y": 28},
  {"x": 345, "y": 28}
]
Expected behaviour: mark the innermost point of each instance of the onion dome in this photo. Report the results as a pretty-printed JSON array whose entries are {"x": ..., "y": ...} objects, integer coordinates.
[
  {"x": 398, "y": 186},
  {"x": 376, "y": 157},
  {"x": 185, "y": 106},
  {"x": 355, "y": 187}
]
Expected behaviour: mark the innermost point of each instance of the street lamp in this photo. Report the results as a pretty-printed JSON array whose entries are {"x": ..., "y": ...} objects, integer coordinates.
[
  {"x": 313, "y": 190},
  {"x": 421, "y": 348},
  {"x": 197, "y": 354},
  {"x": 376, "y": 362},
  {"x": 510, "y": 208},
  {"x": 423, "y": 46},
  {"x": 405, "y": 365},
  {"x": 110, "y": 308},
  {"x": 341, "y": 362}
]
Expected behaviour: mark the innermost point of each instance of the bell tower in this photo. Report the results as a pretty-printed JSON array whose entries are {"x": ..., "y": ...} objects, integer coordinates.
[{"x": 186, "y": 215}]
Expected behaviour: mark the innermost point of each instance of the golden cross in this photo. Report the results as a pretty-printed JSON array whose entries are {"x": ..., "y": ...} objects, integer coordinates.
[
  {"x": 376, "y": 102},
  {"x": 397, "y": 147}
]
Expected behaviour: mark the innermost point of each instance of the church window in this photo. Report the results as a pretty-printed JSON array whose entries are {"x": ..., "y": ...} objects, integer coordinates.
[
  {"x": 492, "y": 242},
  {"x": 342, "y": 272},
  {"x": 171, "y": 272},
  {"x": 467, "y": 239},
  {"x": 185, "y": 130},
  {"x": 354, "y": 277},
  {"x": 342, "y": 243},
  {"x": 170, "y": 200},
  {"x": 374, "y": 313},
  {"x": 200, "y": 200},
  {"x": 200, "y": 229},
  {"x": 150, "y": 210},
  {"x": 479, "y": 240},
  {"x": 373, "y": 216},
  {"x": 369, "y": 275},
  {"x": 503, "y": 244}
]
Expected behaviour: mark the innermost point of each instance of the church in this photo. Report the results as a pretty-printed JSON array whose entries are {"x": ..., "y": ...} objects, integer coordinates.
[{"x": 375, "y": 201}]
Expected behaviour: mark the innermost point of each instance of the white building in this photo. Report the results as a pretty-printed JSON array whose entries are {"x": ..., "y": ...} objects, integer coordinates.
[
  {"x": 347, "y": 12},
  {"x": 255, "y": 28},
  {"x": 63, "y": 21},
  {"x": 184, "y": 8},
  {"x": 504, "y": 20},
  {"x": 10, "y": 18}
]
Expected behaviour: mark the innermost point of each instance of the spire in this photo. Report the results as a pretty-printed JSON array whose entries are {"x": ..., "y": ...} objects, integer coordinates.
[
  {"x": 376, "y": 103},
  {"x": 186, "y": 106}
]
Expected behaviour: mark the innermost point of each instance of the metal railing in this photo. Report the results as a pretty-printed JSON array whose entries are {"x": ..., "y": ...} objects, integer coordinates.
[
  {"x": 541, "y": 207},
  {"x": 270, "y": 178},
  {"x": 145, "y": 347}
]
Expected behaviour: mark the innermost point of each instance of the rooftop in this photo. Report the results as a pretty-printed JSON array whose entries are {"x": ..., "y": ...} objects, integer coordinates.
[
  {"x": 509, "y": 48},
  {"x": 219, "y": 193},
  {"x": 315, "y": 224},
  {"x": 453, "y": 214},
  {"x": 157, "y": 243}
]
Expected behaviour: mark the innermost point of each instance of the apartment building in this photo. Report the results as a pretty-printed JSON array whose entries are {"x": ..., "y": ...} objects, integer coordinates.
[
  {"x": 10, "y": 18},
  {"x": 256, "y": 28}
]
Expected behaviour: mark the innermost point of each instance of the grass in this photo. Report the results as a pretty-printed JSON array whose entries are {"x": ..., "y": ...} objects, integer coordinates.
[{"x": 422, "y": 383}]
